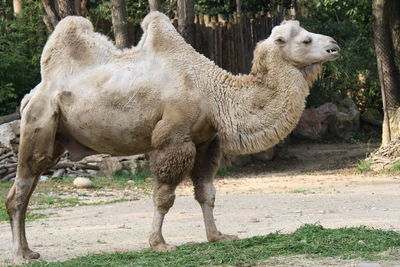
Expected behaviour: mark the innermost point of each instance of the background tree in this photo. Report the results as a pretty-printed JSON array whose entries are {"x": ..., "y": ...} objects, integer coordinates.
[
  {"x": 388, "y": 73},
  {"x": 155, "y": 5},
  {"x": 186, "y": 20},
  {"x": 119, "y": 23},
  {"x": 17, "y": 4},
  {"x": 55, "y": 11}
]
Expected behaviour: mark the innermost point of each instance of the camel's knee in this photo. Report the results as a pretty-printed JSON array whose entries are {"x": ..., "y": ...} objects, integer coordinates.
[
  {"x": 172, "y": 163},
  {"x": 164, "y": 197},
  {"x": 205, "y": 193},
  {"x": 17, "y": 197}
]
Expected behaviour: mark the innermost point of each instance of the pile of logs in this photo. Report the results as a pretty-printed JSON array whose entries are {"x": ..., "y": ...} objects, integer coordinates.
[
  {"x": 65, "y": 167},
  {"x": 8, "y": 165}
]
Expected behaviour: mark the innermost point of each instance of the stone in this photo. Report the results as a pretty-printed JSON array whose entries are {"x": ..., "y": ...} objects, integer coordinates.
[
  {"x": 82, "y": 182},
  {"x": 43, "y": 178},
  {"x": 126, "y": 165},
  {"x": 264, "y": 156},
  {"x": 7, "y": 136},
  {"x": 346, "y": 121},
  {"x": 314, "y": 121},
  {"x": 109, "y": 166}
]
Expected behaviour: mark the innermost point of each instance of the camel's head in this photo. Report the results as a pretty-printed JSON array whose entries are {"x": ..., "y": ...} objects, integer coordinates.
[{"x": 303, "y": 48}]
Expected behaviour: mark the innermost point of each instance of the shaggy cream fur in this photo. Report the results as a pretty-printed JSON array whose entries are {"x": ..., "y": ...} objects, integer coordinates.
[{"x": 163, "y": 98}]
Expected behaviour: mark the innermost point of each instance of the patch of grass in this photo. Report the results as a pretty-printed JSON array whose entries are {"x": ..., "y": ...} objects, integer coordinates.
[
  {"x": 225, "y": 171},
  {"x": 395, "y": 166},
  {"x": 47, "y": 193},
  {"x": 297, "y": 191},
  {"x": 310, "y": 240},
  {"x": 363, "y": 166}
]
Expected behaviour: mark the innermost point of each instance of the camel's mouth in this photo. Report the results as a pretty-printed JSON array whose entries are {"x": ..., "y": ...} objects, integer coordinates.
[{"x": 333, "y": 51}]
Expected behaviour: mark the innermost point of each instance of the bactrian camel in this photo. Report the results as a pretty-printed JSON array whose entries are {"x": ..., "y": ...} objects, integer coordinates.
[{"x": 162, "y": 98}]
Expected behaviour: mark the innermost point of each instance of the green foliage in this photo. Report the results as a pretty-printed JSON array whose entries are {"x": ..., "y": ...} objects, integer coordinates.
[
  {"x": 310, "y": 240},
  {"x": 21, "y": 42},
  {"x": 355, "y": 73},
  {"x": 395, "y": 166},
  {"x": 363, "y": 166}
]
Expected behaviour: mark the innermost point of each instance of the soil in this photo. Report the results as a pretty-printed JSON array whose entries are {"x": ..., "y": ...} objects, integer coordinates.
[{"x": 317, "y": 184}]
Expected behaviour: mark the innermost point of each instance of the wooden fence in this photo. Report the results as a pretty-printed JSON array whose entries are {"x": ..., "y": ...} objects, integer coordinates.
[{"x": 229, "y": 43}]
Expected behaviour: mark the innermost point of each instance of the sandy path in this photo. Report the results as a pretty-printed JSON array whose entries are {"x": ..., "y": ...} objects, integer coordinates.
[
  {"x": 257, "y": 202},
  {"x": 125, "y": 226}
]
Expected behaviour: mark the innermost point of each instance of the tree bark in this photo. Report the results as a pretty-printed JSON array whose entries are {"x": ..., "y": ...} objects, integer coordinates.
[
  {"x": 84, "y": 8},
  {"x": 65, "y": 8},
  {"x": 119, "y": 23},
  {"x": 78, "y": 7},
  {"x": 386, "y": 65},
  {"x": 17, "y": 4},
  {"x": 155, "y": 5},
  {"x": 186, "y": 20}
]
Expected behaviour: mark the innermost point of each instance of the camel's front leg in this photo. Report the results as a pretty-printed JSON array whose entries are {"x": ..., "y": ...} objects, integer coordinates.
[
  {"x": 206, "y": 165},
  {"x": 171, "y": 161},
  {"x": 38, "y": 151}
]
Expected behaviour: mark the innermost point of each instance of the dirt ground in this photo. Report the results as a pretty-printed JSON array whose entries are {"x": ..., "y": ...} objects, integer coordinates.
[{"x": 319, "y": 185}]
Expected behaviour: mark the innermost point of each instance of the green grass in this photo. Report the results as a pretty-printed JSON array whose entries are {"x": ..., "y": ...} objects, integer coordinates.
[
  {"x": 42, "y": 200},
  {"x": 310, "y": 240},
  {"x": 363, "y": 166},
  {"x": 395, "y": 166}
]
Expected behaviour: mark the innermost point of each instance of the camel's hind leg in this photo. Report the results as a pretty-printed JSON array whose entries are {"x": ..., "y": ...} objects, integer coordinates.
[
  {"x": 171, "y": 162},
  {"x": 37, "y": 152},
  {"x": 206, "y": 165}
]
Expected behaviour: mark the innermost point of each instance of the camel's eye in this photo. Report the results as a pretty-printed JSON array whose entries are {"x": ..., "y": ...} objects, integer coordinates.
[{"x": 307, "y": 41}]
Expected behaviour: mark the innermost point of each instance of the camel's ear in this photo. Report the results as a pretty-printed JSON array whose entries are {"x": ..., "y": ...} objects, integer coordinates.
[{"x": 280, "y": 40}]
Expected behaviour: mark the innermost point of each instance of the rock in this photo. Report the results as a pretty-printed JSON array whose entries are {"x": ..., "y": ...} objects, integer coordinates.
[
  {"x": 7, "y": 136},
  {"x": 130, "y": 181},
  {"x": 127, "y": 165},
  {"x": 109, "y": 166},
  {"x": 314, "y": 121},
  {"x": 346, "y": 121},
  {"x": 43, "y": 178},
  {"x": 264, "y": 156},
  {"x": 81, "y": 182}
]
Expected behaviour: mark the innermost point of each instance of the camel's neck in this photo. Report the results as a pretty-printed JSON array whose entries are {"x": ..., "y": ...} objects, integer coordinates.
[{"x": 254, "y": 112}]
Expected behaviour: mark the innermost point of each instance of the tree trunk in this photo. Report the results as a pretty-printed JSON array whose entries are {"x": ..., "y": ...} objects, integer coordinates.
[
  {"x": 242, "y": 59},
  {"x": 386, "y": 66},
  {"x": 17, "y": 4},
  {"x": 155, "y": 5},
  {"x": 186, "y": 20},
  {"x": 395, "y": 25},
  {"x": 119, "y": 23},
  {"x": 77, "y": 7},
  {"x": 65, "y": 8},
  {"x": 50, "y": 15}
]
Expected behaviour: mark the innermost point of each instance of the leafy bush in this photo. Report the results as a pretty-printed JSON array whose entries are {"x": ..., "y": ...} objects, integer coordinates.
[
  {"x": 355, "y": 73},
  {"x": 21, "y": 42}
]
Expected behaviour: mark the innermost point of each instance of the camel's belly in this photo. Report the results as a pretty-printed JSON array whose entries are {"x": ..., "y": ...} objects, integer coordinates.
[{"x": 111, "y": 127}]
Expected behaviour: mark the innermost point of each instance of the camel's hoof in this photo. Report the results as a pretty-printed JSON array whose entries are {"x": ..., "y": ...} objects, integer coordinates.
[
  {"x": 163, "y": 248},
  {"x": 222, "y": 237},
  {"x": 27, "y": 256}
]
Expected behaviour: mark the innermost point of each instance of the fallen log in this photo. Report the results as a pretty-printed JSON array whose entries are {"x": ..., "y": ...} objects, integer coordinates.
[
  {"x": 72, "y": 165},
  {"x": 10, "y": 117},
  {"x": 9, "y": 154},
  {"x": 373, "y": 122},
  {"x": 8, "y": 177}
]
